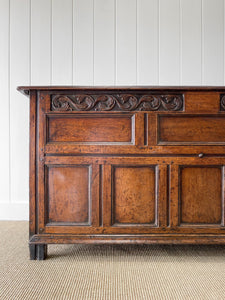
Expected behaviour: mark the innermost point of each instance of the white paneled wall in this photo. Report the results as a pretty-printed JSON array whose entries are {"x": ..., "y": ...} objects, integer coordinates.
[{"x": 96, "y": 42}]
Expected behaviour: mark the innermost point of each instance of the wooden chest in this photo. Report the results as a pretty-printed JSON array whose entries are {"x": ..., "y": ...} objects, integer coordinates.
[{"x": 126, "y": 165}]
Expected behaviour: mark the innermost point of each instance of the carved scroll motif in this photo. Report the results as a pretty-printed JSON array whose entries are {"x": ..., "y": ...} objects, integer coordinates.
[
  {"x": 121, "y": 102},
  {"x": 222, "y": 102}
]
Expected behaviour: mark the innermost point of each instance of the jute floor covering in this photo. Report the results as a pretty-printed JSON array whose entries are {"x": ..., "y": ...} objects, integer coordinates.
[{"x": 119, "y": 272}]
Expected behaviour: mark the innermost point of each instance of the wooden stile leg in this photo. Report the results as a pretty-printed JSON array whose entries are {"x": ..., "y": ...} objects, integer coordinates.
[
  {"x": 32, "y": 252},
  {"x": 38, "y": 252}
]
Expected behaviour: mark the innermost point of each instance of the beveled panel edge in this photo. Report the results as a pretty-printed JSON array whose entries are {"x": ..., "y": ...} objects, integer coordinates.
[
  {"x": 117, "y": 115},
  {"x": 155, "y": 224},
  {"x": 46, "y": 197},
  {"x": 199, "y": 225},
  {"x": 184, "y": 144}
]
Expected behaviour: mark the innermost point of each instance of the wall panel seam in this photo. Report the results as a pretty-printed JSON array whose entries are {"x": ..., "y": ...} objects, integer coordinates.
[
  {"x": 180, "y": 41},
  {"x": 29, "y": 51},
  {"x": 72, "y": 43},
  {"x": 136, "y": 41},
  {"x": 223, "y": 42},
  {"x": 157, "y": 75},
  {"x": 159, "y": 7},
  {"x": 115, "y": 42},
  {"x": 51, "y": 37},
  {"x": 202, "y": 45},
  {"x": 93, "y": 46},
  {"x": 9, "y": 98}
]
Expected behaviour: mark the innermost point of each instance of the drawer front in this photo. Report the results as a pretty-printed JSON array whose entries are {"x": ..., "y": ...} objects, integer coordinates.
[
  {"x": 191, "y": 129},
  {"x": 93, "y": 129}
]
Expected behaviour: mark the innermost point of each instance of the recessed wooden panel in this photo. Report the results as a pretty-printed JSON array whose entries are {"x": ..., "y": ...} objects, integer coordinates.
[
  {"x": 191, "y": 129},
  {"x": 91, "y": 128},
  {"x": 68, "y": 194},
  {"x": 202, "y": 102},
  {"x": 134, "y": 195},
  {"x": 200, "y": 195}
]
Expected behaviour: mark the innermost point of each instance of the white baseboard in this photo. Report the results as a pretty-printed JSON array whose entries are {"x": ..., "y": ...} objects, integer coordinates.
[{"x": 14, "y": 211}]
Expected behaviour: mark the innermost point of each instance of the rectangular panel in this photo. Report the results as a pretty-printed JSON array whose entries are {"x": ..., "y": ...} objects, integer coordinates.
[
  {"x": 62, "y": 42},
  {"x": 91, "y": 129},
  {"x": 169, "y": 35},
  {"x": 83, "y": 36},
  {"x": 40, "y": 42},
  {"x": 200, "y": 195},
  {"x": 4, "y": 112},
  {"x": 191, "y": 42},
  {"x": 147, "y": 42},
  {"x": 68, "y": 194},
  {"x": 19, "y": 106},
  {"x": 213, "y": 42},
  {"x": 191, "y": 129},
  {"x": 126, "y": 42},
  {"x": 202, "y": 102},
  {"x": 104, "y": 27},
  {"x": 134, "y": 195}
]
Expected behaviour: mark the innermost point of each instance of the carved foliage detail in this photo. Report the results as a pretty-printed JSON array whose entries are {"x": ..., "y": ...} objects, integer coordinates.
[
  {"x": 222, "y": 102},
  {"x": 121, "y": 102}
]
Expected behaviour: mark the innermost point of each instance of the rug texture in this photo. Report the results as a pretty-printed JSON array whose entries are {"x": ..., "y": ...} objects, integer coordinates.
[{"x": 120, "y": 272}]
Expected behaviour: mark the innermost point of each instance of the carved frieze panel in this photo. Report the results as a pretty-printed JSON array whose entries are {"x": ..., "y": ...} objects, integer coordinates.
[
  {"x": 117, "y": 102},
  {"x": 222, "y": 102}
]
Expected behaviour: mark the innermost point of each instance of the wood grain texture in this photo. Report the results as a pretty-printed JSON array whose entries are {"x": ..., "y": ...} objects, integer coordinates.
[
  {"x": 202, "y": 102},
  {"x": 68, "y": 194},
  {"x": 95, "y": 128},
  {"x": 35, "y": 33},
  {"x": 192, "y": 129},
  {"x": 134, "y": 195},
  {"x": 200, "y": 197},
  {"x": 110, "y": 177}
]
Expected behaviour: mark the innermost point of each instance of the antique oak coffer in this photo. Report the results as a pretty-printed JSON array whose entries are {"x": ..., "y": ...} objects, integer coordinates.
[{"x": 126, "y": 165}]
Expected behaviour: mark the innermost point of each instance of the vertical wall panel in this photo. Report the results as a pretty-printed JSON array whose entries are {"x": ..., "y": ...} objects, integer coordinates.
[
  {"x": 19, "y": 105},
  {"x": 62, "y": 42},
  {"x": 213, "y": 42},
  {"x": 83, "y": 42},
  {"x": 101, "y": 42},
  {"x": 4, "y": 111},
  {"x": 191, "y": 46},
  {"x": 104, "y": 16},
  {"x": 169, "y": 51},
  {"x": 147, "y": 42},
  {"x": 40, "y": 42},
  {"x": 126, "y": 42}
]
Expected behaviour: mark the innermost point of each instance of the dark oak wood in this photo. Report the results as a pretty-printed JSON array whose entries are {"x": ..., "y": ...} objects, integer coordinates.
[
  {"x": 126, "y": 165},
  {"x": 90, "y": 128},
  {"x": 134, "y": 195},
  {"x": 191, "y": 129},
  {"x": 68, "y": 195},
  {"x": 200, "y": 198}
]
